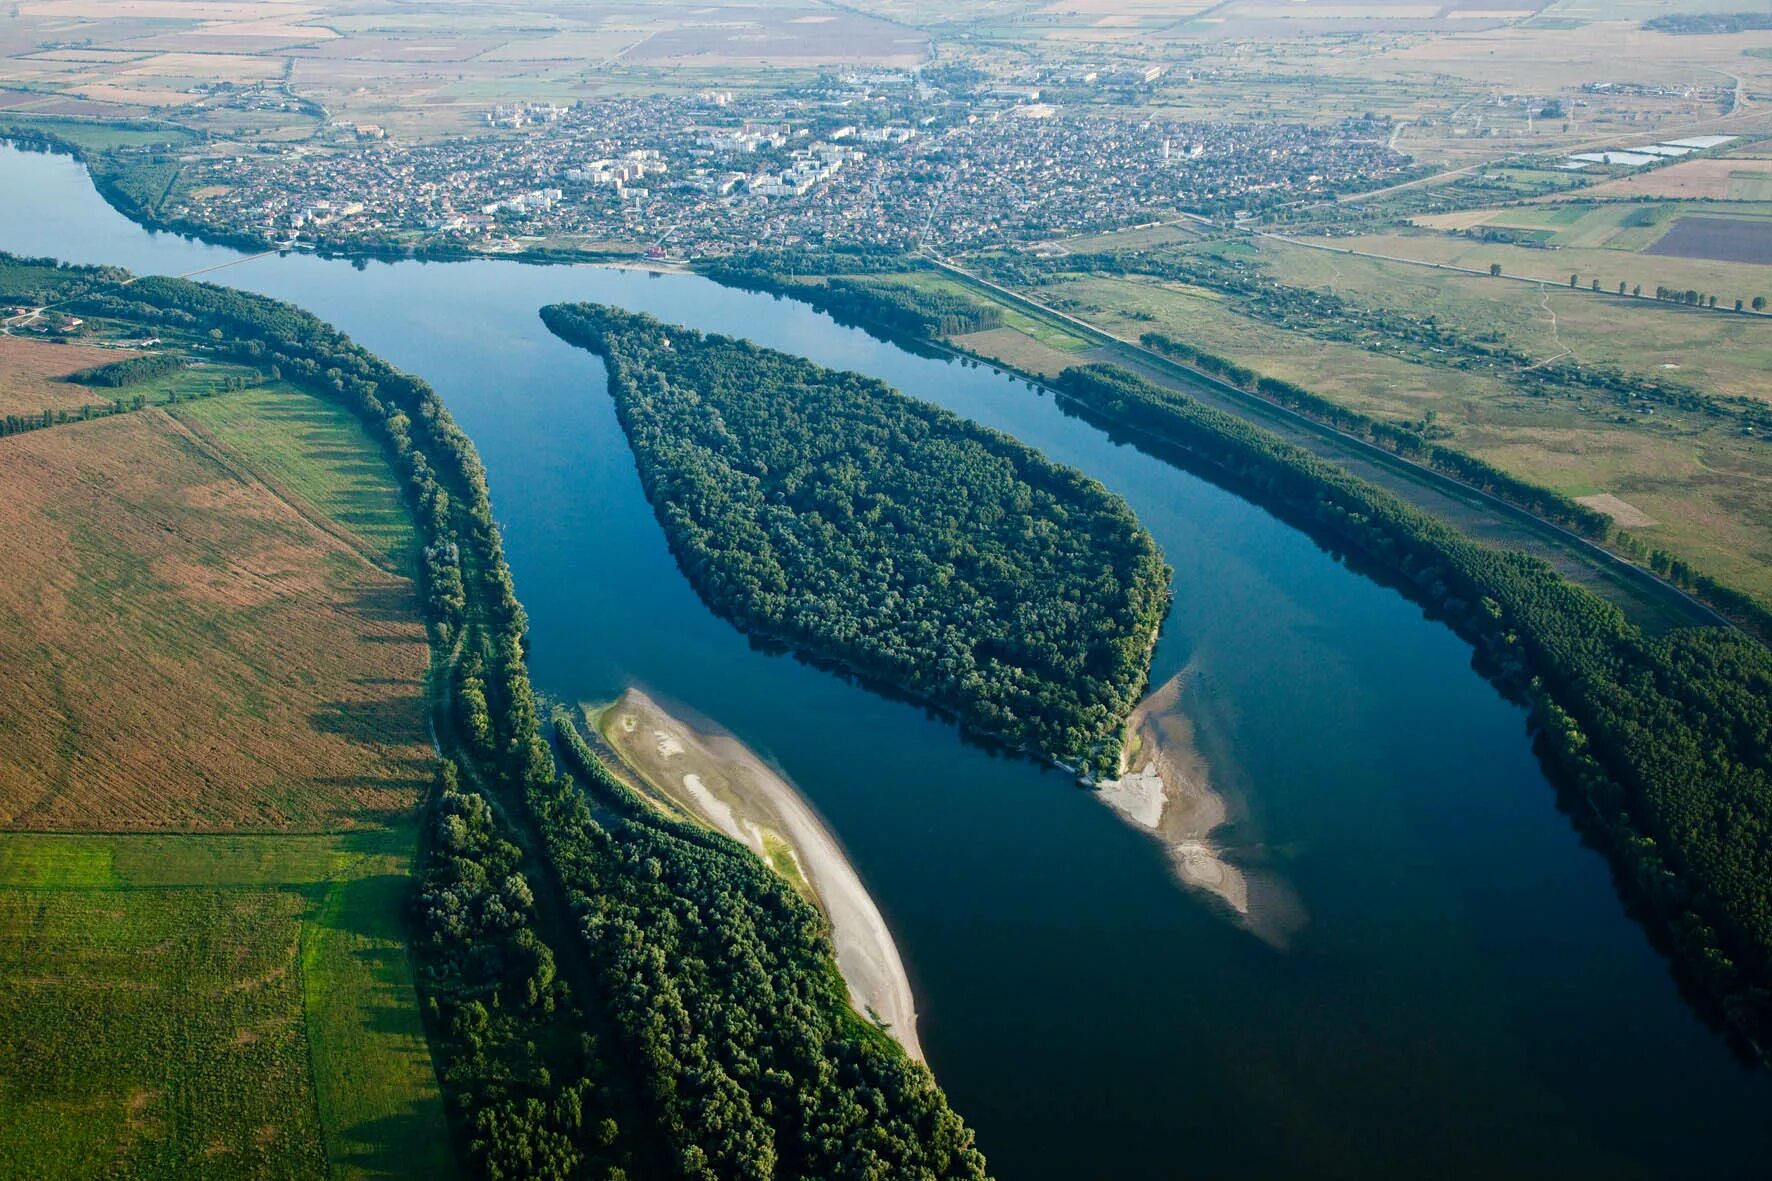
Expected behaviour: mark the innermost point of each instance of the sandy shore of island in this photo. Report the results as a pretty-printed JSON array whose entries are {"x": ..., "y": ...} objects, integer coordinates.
[
  {"x": 1165, "y": 787},
  {"x": 715, "y": 778}
]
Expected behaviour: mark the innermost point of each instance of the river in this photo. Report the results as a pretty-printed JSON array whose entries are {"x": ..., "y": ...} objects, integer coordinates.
[{"x": 1467, "y": 997}]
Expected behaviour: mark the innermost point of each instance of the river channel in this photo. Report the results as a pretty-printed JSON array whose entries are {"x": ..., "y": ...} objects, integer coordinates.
[{"x": 1460, "y": 992}]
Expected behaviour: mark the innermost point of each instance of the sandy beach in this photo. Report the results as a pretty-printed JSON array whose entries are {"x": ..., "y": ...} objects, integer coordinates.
[
  {"x": 716, "y": 779},
  {"x": 1165, "y": 787}
]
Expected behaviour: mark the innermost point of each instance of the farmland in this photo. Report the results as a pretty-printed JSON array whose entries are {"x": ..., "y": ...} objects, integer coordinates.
[
  {"x": 1731, "y": 239},
  {"x": 213, "y": 709},
  {"x": 276, "y": 670},
  {"x": 1694, "y": 484},
  {"x": 31, "y": 370},
  {"x": 210, "y": 1006}
]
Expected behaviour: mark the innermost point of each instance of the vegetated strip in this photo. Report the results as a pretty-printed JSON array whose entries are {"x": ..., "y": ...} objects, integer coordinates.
[
  {"x": 1669, "y": 738},
  {"x": 718, "y": 1068},
  {"x": 800, "y": 275},
  {"x": 902, "y": 542}
]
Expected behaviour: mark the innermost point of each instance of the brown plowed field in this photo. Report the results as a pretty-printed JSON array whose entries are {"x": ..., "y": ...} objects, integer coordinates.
[
  {"x": 181, "y": 649},
  {"x": 29, "y": 369}
]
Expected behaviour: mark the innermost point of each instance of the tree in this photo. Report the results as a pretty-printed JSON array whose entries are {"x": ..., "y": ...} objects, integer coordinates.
[
  {"x": 1495, "y": 268},
  {"x": 1621, "y": 287},
  {"x": 1759, "y": 304},
  {"x": 1637, "y": 291},
  {"x": 1574, "y": 279}
]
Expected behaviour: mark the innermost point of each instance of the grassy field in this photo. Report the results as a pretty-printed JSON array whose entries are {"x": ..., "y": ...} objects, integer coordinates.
[
  {"x": 211, "y": 1006},
  {"x": 1719, "y": 353},
  {"x": 212, "y": 710}
]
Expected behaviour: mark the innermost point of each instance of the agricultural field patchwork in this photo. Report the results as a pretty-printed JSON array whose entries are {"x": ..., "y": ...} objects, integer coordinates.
[{"x": 214, "y": 741}]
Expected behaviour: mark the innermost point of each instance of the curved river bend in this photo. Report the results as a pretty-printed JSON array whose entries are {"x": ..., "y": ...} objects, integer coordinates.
[{"x": 1467, "y": 998}]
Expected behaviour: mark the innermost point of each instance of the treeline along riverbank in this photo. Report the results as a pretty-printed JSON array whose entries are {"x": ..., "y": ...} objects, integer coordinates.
[
  {"x": 906, "y": 544},
  {"x": 721, "y": 1054},
  {"x": 1669, "y": 738}
]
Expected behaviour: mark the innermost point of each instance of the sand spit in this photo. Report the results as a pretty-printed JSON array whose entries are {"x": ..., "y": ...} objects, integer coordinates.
[
  {"x": 1165, "y": 787},
  {"x": 718, "y": 780}
]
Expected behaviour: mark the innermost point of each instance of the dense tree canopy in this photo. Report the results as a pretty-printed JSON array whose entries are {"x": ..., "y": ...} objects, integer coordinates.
[{"x": 883, "y": 533}]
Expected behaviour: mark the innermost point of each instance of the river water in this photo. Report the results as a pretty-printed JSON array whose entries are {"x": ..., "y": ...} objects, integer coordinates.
[{"x": 1466, "y": 997}]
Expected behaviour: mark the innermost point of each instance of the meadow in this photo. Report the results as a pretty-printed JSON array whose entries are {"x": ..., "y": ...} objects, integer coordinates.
[{"x": 208, "y": 1005}]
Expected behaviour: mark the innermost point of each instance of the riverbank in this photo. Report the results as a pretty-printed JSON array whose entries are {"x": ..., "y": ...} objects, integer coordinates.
[{"x": 703, "y": 773}]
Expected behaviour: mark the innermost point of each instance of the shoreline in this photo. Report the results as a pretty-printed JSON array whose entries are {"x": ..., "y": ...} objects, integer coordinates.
[
  {"x": 717, "y": 781},
  {"x": 1165, "y": 788}
]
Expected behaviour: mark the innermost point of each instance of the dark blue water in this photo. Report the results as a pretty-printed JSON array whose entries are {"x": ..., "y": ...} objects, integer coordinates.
[{"x": 1467, "y": 998}]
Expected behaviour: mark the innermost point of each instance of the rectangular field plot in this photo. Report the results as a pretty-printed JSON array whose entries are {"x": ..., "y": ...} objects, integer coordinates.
[
  {"x": 154, "y": 1032},
  {"x": 1728, "y": 239}
]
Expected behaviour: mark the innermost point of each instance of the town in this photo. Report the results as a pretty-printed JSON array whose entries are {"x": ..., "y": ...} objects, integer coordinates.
[{"x": 844, "y": 164}]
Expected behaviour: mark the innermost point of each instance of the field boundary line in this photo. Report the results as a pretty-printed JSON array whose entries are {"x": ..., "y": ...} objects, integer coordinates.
[{"x": 238, "y": 466}]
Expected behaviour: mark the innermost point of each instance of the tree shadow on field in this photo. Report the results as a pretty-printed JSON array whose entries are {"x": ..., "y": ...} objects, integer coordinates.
[
  {"x": 401, "y": 1145},
  {"x": 393, "y": 720},
  {"x": 384, "y": 604}
]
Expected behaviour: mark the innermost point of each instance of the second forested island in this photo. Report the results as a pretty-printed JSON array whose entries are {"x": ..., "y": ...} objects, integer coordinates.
[{"x": 913, "y": 547}]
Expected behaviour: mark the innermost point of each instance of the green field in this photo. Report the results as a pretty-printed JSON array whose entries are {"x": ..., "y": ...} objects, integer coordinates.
[
  {"x": 316, "y": 451},
  {"x": 211, "y": 1006}
]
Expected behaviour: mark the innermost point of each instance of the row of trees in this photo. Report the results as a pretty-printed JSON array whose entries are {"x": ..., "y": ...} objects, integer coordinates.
[
  {"x": 515, "y": 970},
  {"x": 1669, "y": 737},
  {"x": 889, "y": 536},
  {"x": 18, "y": 424}
]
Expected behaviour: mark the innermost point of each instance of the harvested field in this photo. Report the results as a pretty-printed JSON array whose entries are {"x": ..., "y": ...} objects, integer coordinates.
[
  {"x": 29, "y": 370},
  {"x": 1014, "y": 347},
  {"x": 185, "y": 647},
  {"x": 1712, "y": 179},
  {"x": 1622, "y": 511},
  {"x": 1727, "y": 239}
]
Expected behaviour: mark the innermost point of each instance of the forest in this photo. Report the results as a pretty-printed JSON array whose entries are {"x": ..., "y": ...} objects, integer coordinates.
[
  {"x": 1669, "y": 738},
  {"x": 523, "y": 896},
  {"x": 884, "y": 534}
]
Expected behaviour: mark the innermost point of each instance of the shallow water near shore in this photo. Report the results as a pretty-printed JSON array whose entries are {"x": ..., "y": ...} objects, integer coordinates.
[{"x": 1468, "y": 998}]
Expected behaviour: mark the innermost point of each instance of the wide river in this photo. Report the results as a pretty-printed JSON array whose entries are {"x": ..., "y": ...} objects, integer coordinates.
[{"x": 1467, "y": 998}]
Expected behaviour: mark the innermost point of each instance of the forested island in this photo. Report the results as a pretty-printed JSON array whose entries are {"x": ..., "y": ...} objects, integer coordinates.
[
  {"x": 1668, "y": 738},
  {"x": 605, "y": 998},
  {"x": 882, "y": 533}
]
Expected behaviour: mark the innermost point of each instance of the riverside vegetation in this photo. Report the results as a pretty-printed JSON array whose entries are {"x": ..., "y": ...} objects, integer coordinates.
[
  {"x": 887, "y": 535},
  {"x": 714, "y": 1052},
  {"x": 1668, "y": 738}
]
